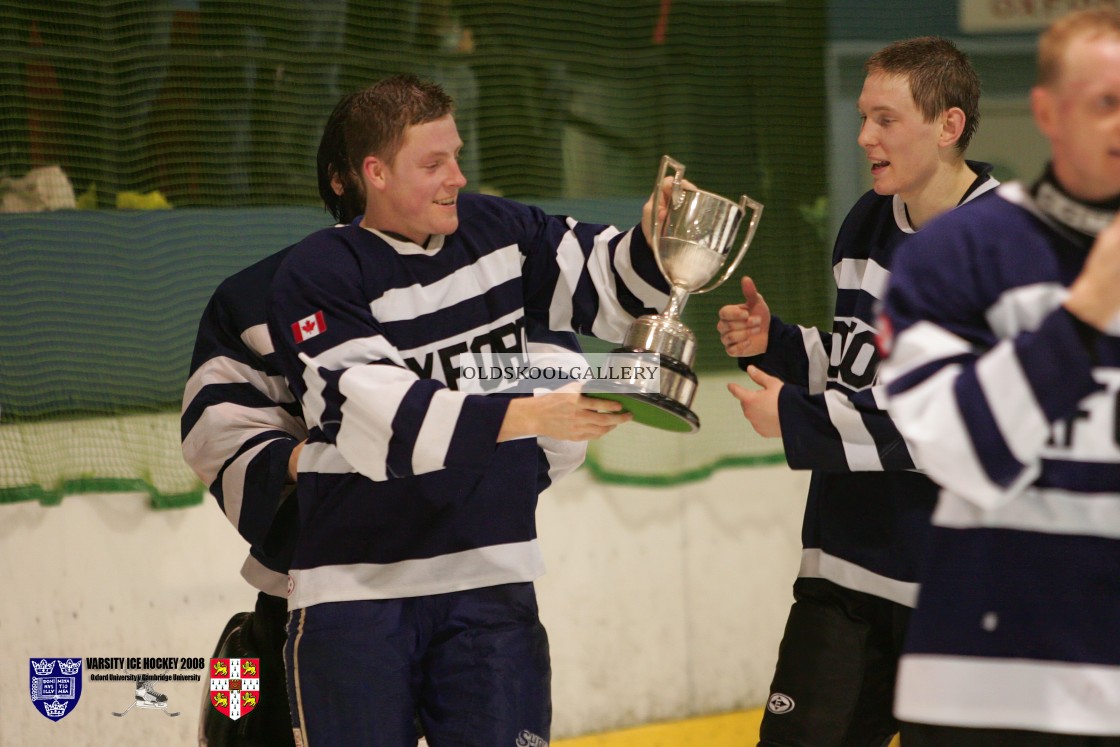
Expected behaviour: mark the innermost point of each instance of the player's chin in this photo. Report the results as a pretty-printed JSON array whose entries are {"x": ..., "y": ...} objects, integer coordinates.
[{"x": 446, "y": 224}]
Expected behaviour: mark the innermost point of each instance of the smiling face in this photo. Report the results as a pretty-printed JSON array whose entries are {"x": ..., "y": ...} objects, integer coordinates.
[
  {"x": 904, "y": 150},
  {"x": 1079, "y": 113},
  {"x": 415, "y": 195}
]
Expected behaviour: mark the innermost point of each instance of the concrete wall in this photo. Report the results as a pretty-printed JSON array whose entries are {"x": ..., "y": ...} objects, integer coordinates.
[{"x": 660, "y": 602}]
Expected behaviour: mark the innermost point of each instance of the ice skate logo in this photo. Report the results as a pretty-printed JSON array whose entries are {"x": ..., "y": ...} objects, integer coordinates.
[
  {"x": 55, "y": 695},
  {"x": 147, "y": 697},
  {"x": 528, "y": 739},
  {"x": 779, "y": 703},
  {"x": 235, "y": 686}
]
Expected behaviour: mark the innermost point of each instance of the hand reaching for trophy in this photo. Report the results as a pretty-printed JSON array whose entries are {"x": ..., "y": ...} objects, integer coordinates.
[{"x": 744, "y": 328}]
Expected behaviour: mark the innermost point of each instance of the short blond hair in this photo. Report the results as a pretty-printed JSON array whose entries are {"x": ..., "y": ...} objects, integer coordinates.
[{"x": 1054, "y": 42}]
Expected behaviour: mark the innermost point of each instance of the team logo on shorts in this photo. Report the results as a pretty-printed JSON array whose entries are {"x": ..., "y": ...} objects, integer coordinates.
[
  {"x": 779, "y": 703},
  {"x": 235, "y": 686},
  {"x": 528, "y": 739},
  {"x": 56, "y": 685}
]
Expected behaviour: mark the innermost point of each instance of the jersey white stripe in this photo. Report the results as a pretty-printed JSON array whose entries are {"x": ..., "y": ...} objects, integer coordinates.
[
  {"x": 815, "y": 563},
  {"x": 860, "y": 448},
  {"x": 623, "y": 263},
  {"x": 222, "y": 428},
  {"x": 611, "y": 321},
  {"x": 818, "y": 359},
  {"x": 1044, "y": 510},
  {"x": 224, "y": 370},
  {"x": 930, "y": 420},
  {"x": 233, "y": 482},
  {"x": 490, "y": 271},
  {"x": 470, "y": 569},
  {"x": 920, "y": 345},
  {"x": 355, "y": 352},
  {"x": 1008, "y": 393},
  {"x": 265, "y": 579},
  {"x": 373, "y": 395},
  {"x": 986, "y": 692},
  {"x": 430, "y": 450},
  {"x": 257, "y": 339},
  {"x": 569, "y": 260},
  {"x": 861, "y": 274},
  {"x": 324, "y": 459},
  {"x": 1022, "y": 309}
]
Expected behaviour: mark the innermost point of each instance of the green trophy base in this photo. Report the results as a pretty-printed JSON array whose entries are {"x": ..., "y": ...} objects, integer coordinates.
[{"x": 655, "y": 410}]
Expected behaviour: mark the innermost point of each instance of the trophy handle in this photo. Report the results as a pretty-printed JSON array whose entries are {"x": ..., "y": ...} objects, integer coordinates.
[
  {"x": 756, "y": 213},
  {"x": 655, "y": 233}
]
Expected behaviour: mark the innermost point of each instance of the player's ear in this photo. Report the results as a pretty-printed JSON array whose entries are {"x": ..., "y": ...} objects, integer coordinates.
[
  {"x": 952, "y": 126},
  {"x": 1042, "y": 106},
  {"x": 374, "y": 172}
]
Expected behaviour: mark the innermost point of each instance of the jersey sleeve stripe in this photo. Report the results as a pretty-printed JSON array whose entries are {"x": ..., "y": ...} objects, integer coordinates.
[
  {"x": 371, "y": 397},
  {"x": 632, "y": 279},
  {"x": 569, "y": 261},
  {"x": 434, "y": 438},
  {"x": 1011, "y": 399},
  {"x": 921, "y": 345},
  {"x": 817, "y": 358},
  {"x": 929, "y": 417},
  {"x": 222, "y": 429},
  {"x": 226, "y": 370},
  {"x": 256, "y": 338},
  {"x": 233, "y": 482},
  {"x": 860, "y": 448},
  {"x": 1024, "y": 308}
]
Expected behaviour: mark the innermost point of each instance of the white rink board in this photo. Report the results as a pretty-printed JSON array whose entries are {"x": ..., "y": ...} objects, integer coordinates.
[{"x": 660, "y": 603}]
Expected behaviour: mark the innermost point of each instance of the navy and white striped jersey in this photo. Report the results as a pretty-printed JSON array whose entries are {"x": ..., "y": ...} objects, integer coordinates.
[
  {"x": 403, "y": 489},
  {"x": 240, "y": 423},
  {"x": 1012, "y": 406},
  {"x": 868, "y": 509}
]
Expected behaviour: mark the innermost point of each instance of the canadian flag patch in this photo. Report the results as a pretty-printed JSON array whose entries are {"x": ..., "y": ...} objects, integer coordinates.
[{"x": 309, "y": 327}]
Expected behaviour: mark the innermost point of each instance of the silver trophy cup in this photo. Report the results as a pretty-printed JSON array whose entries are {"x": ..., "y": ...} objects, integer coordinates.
[{"x": 693, "y": 248}]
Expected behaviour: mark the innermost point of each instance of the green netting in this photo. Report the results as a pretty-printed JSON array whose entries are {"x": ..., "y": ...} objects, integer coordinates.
[{"x": 219, "y": 105}]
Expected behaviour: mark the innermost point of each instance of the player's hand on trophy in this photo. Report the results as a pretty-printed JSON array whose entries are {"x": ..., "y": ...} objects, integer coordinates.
[
  {"x": 564, "y": 414},
  {"x": 1094, "y": 297},
  {"x": 744, "y": 328},
  {"x": 663, "y": 206},
  {"x": 760, "y": 406}
]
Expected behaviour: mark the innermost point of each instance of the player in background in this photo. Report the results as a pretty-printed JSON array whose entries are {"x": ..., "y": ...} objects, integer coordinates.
[
  {"x": 868, "y": 509},
  {"x": 242, "y": 431},
  {"x": 412, "y": 577},
  {"x": 1004, "y": 377}
]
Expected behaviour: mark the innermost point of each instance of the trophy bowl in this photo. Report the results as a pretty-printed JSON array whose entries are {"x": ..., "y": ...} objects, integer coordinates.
[{"x": 693, "y": 248}]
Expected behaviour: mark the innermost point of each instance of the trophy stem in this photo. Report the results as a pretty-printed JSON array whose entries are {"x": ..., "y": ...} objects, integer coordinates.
[{"x": 678, "y": 296}]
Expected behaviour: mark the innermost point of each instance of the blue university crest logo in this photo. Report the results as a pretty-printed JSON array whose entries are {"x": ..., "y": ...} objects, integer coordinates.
[{"x": 56, "y": 685}]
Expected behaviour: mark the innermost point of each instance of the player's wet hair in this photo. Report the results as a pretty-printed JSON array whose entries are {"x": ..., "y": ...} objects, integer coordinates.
[
  {"x": 1053, "y": 42},
  {"x": 381, "y": 113},
  {"x": 333, "y": 160},
  {"x": 940, "y": 75}
]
